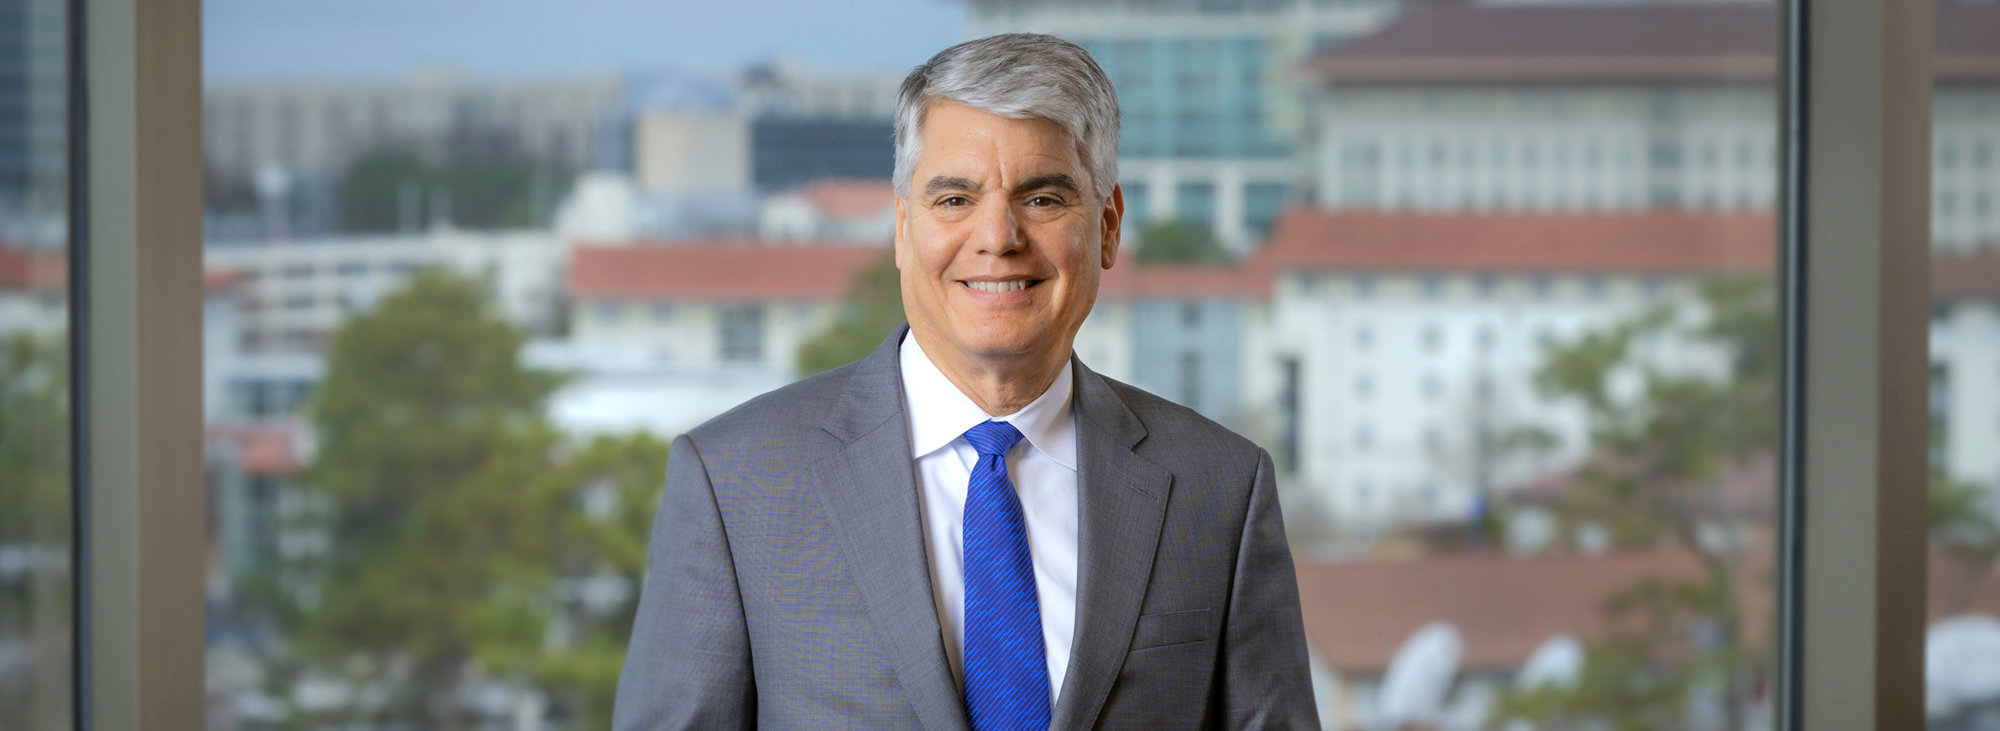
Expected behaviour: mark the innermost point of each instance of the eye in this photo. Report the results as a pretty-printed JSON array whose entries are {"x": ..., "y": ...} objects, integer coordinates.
[
  {"x": 954, "y": 201},
  {"x": 1044, "y": 200}
]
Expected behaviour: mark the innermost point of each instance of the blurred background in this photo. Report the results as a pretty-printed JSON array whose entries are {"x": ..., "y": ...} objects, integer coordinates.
[{"x": 1492, "y": 281}]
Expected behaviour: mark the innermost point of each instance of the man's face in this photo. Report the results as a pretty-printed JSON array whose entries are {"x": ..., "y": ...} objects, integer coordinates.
[{"x": 1003, "y": 237}]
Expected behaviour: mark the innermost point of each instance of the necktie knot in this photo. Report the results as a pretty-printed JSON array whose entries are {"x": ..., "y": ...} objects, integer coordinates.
[{"x": 993, "y": 438}]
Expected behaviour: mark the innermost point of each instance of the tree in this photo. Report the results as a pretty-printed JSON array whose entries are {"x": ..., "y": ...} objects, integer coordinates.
[
  {"x": 34, "y": 516},
  {"x": 1174, "y": 241},
  {"x": 1663, "y": 438},
  {"x": 874, "y": 309},
  {"x": 467, "y": 535},
  {"x": 393, "y": 190},
  {"x": 431, "y": 442}
]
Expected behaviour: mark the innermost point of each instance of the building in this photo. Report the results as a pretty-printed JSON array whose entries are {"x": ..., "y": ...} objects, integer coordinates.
[
  {"x": 34, "y": 291},
  {"x": 1598, "y": 107},
  {"x": 296, "y": 293},
  {"x": 837, "y": 209},
  {"x": 712, "y": 303},
  {"x": 689, "y": 152},
  {"x": 313, "y": 130},
  {"x": 34, "y": 121},
  {"x": 1214, "y": 123},
  {"x": 807, "y": 126},
  {"x": 1186, "y": 333},
  {"x": 1401, "y": 348}
]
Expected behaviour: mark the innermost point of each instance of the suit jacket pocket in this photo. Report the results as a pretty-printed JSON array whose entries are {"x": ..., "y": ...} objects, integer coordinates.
[{"x": 1171, "y": 628}]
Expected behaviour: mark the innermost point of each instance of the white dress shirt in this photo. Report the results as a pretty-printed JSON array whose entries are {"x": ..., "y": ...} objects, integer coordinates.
[{"x": 1043, "y": 470}]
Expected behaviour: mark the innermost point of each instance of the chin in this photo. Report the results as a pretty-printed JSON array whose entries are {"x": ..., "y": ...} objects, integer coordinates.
[{"x": 1005, "y": 339}]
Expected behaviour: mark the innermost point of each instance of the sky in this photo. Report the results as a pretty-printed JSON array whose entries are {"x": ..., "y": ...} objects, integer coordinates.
[{"x": 263, "y": 40}]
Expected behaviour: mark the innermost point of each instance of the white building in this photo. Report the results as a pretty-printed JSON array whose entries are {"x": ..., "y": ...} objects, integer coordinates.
[
  {"x": 1213, "y": 117},
  {"x": 1965, "y": 367},
  {"x": 295, "y": 293},
  {"x": 837, "y": 209},
  {"x": 1405, "y": 343},
  {"x": 315, "y": 129},
  {"x": 1656, "y": 106},
  {"x": 692, "y": 152}
]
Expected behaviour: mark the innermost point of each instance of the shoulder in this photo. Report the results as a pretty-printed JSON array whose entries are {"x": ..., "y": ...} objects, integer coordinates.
[
  {"x": 1178, "y": 437},
  {"x": 791, "y": 414}
]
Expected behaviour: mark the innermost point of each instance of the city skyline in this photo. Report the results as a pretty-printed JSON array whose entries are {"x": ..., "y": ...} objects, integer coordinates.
[{"x": 247, "y": 41}]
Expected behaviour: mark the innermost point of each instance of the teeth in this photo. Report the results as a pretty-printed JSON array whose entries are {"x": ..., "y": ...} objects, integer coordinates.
[{"x": 999, "y": 286}]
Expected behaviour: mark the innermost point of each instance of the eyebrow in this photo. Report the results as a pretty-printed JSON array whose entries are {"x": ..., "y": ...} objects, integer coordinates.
[
  {"x": 1050, "y": 180},
  {"x": 943, "y": 183},
  {"x": 1061, "y": 181}
]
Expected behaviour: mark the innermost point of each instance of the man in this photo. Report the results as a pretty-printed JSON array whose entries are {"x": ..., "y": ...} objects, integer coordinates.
[{"x": 968, "y": 530}]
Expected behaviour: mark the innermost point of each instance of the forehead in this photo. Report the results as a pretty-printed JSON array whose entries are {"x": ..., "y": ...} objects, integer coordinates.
[{"x": 955, "y": 135}]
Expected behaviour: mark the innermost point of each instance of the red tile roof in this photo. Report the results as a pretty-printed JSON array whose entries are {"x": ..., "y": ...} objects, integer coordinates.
[
  {"x": 217, "y": 280},
  {"x": 851, "y": 197},
  {"x": 1358, "y": 613},
  {"x": 1627, "y": 41},
  {"x": 714, "y": 270},
  {"x": 1973, "y": 275},
  {"x": 33, "y": 269},
  {"x": 1653, "y": 242},
  {"x": 261, "y": 450}
]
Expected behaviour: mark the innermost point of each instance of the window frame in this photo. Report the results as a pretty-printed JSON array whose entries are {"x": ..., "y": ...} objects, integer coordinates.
[{"x": 1855, "y": 134}]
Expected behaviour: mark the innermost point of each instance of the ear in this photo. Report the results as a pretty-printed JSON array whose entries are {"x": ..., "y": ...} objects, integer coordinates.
[
  {"x": 1114, "y": 215},
  {"x": 902, "y": 217}
]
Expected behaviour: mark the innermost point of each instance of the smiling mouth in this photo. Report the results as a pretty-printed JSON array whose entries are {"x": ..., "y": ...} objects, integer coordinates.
[{"x": 1007, "y": 286}]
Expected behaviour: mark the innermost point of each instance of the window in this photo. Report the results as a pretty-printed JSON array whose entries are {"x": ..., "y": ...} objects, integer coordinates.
[
  {"x": 742, "y": 330},
  {"x": 37, "y": 572},
  {"x": 1192, "y": 125}
]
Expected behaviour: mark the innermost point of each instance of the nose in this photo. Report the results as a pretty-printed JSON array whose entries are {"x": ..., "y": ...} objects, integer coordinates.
[{"x": 997, "y": 230}]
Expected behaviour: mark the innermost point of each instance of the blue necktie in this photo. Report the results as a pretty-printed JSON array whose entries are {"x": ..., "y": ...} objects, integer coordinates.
[{"x": 1006, "y": 670}]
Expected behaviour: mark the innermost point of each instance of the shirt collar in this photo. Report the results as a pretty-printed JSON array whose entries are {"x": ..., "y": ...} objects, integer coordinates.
[{"x": 940, "y": 413}]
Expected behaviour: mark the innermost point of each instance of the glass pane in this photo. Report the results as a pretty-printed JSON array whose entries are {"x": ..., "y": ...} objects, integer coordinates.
[
  {"x": 1963, "y": 640},
  {"x": 1526, "y": 315},
  {"x": 1490, "y": 281},
  {"x": 37, "y": 647}
]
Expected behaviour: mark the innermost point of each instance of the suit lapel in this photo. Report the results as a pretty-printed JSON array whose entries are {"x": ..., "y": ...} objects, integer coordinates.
[
  {"x": 869, "y": 493},
  {"x": 1121, "y": 503}
]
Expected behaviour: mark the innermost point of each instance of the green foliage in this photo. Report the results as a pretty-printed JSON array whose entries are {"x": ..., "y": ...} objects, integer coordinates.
[
  {"x": 874, "y": 309},
  {"x": 458, "y": 524},
  {"x": 1661, "y": 440},
  {"x": 1179, "y": 242},
  {"x": 35, "y": 513},
  {"x": 1962, "y": 521},
  {"x": 380, "y": 191}
]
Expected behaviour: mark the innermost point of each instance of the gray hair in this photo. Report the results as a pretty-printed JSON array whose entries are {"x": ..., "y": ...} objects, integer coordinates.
[{"x": 1018, "y": 76}]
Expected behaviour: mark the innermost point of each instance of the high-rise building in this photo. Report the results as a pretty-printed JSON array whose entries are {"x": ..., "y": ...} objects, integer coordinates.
[
  {"x": 1213, "y": 118},
  {"x": 33, "y": 153}
]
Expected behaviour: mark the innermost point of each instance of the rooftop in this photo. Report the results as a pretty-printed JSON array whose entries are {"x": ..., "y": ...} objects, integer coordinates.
[
  {"x": 37, "y": 270},
  {"x": 850, "y": 197},
  {"x": 1485, "y": 42},
  {"x": 1624, "y": 243},
  {"x": 719, "y": 270}
]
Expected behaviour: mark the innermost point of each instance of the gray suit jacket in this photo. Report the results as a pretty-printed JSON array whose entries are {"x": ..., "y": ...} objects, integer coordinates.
[{"x": 788, "y": 587}]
